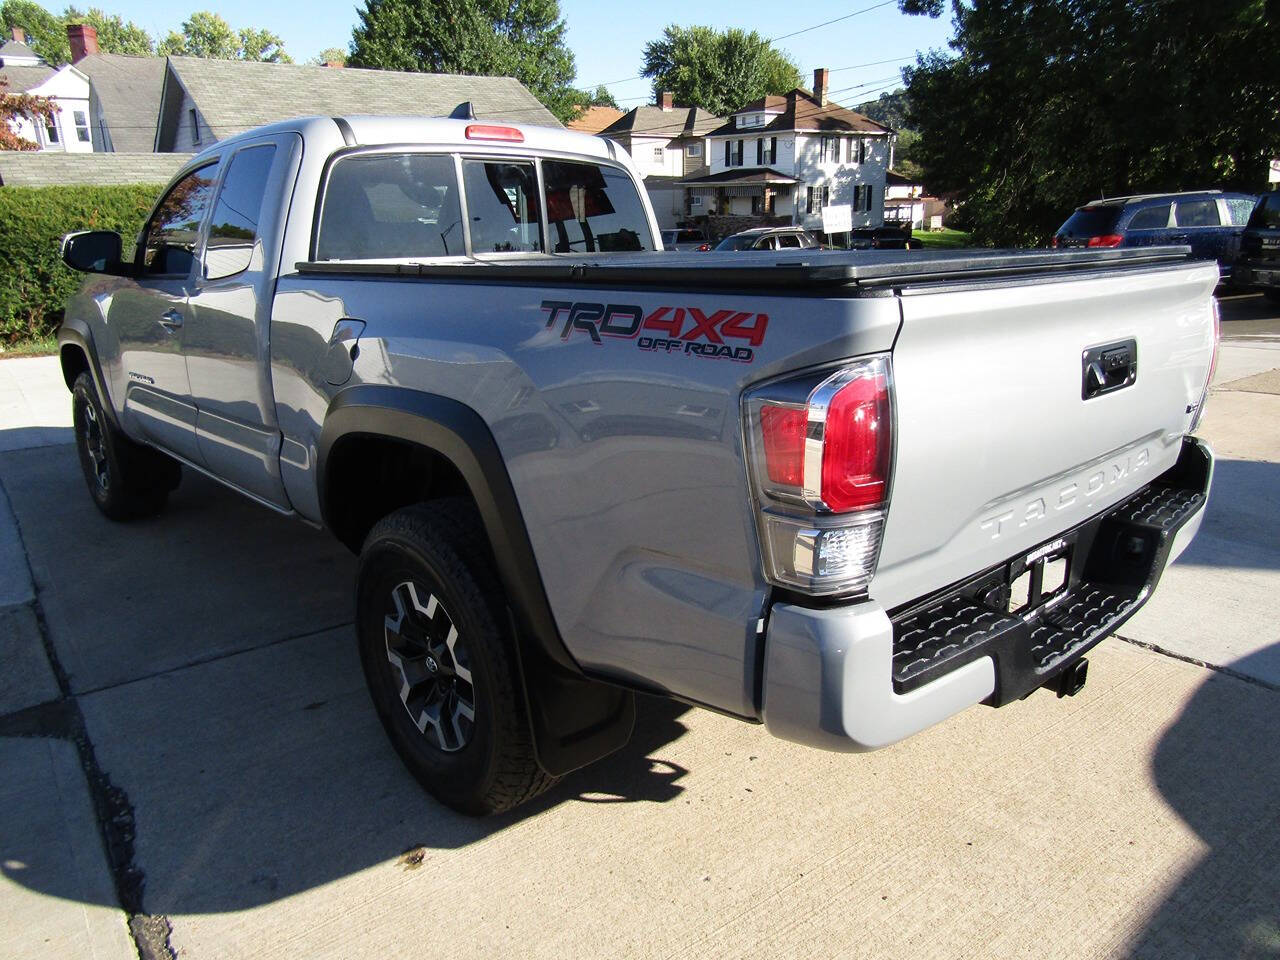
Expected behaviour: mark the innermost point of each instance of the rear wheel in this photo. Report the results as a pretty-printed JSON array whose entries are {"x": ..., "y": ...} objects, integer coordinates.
[
  {"x": 125, "y": 479},
  {"x": 439, "y": 658}
]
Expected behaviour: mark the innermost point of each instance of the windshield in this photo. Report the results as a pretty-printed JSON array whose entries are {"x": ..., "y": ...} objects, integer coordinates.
[
  {"x": 740, "y": 241},
  {"x": 1266, "y": 215},
  {"x": 1090, "y": 222}
]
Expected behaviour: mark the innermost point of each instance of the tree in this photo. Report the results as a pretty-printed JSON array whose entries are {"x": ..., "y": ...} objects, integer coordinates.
[
  {"x": 520, "y": 38},
  {"x": 329, "y": 55},
  {"x": 47, "y": 33},
  {"x": 1043, "y": 104},
  {"x": 207, "y": 35},
  {"x": 21, "y": 106},
  {"x": 718, "y": 71}
]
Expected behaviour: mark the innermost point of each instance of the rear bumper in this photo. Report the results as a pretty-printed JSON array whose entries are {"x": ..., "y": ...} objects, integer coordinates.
[{"x": 858, "y": 677}]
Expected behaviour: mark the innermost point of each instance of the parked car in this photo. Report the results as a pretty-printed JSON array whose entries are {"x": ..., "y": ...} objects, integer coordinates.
[
  {"x": 788, "y": 488},
  {"x": 1259, "y": 264},
  {"x": 883, "y": 238},
  {"x": 1209, "y": 221},
  {"x": 769, "y": 238},
  {"x": 684, "y": 238}
]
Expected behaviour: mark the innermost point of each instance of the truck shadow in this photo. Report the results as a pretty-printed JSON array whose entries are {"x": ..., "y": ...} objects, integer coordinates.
[
  {"x": 211, "y": 656},
  {"x": 1219, "y": 769}
]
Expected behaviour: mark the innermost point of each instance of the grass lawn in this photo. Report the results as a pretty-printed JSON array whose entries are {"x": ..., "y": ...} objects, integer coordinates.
[
  {"x": 43, "y": 347},
  {"x": 944, "y": 238}
]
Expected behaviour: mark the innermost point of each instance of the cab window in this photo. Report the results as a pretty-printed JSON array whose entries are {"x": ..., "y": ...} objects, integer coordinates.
[
  {"x": 174, "y": 229},
  {"x": 592, "y": 208},
  {"x": 233, "y": 229},
  {"x": 502, "y": 206},
  {"x": 391, "y": 205}
]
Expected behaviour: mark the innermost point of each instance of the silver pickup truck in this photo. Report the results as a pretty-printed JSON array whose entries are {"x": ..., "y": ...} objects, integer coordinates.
[{"x": 843, "y": 494}]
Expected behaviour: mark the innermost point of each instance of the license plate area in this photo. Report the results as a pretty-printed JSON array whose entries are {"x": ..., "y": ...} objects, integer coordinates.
[{"x": 1038, "y": 580}]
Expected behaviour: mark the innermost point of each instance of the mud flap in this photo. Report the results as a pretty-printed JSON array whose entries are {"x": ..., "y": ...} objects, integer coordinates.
[{"x": 574, "y": 721}]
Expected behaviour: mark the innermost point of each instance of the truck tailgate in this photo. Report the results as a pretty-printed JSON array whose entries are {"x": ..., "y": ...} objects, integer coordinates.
[{"x": 997, "y": 450}]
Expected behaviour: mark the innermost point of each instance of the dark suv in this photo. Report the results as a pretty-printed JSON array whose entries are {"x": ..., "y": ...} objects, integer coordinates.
[
  {"x": 1259, "y": 264},
  {"x": 1208, "y": 221}
]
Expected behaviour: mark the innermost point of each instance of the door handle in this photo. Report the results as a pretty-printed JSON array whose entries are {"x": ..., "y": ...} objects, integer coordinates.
[{"x": 171, "y": 319}]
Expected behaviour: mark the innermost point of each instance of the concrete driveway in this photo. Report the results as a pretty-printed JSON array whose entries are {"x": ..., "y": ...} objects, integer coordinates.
[{"x": 191, "y": 765}]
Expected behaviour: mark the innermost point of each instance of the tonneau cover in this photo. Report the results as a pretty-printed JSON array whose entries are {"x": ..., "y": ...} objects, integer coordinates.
[{"x": 772, "y": 269}]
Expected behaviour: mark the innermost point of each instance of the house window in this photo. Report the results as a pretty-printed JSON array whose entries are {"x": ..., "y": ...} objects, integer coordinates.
[
  {"x": 863, "y": 197},
  {"x": 733, "y": 153},
  {"x": 766, "y": 151},
  {"x": 695, "y": 200},
  {"x": 693, "y": 150},
  {"x": 818, "y": 197},
  {"x": 659, "y": 155},
  {"x": 830, "y": 150},
  {"x": 82, "y": 125},
  {"x": 862, "y": 150},
  {"x": 51, "y": 130},
  {"x": 826, "y": 195},
  {"x": 195, "y": 125}
]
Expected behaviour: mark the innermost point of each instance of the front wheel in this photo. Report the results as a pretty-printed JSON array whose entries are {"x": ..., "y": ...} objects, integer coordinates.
[
  {"x": 439, "y": 658},
  {"x": 125, "y": 479}
]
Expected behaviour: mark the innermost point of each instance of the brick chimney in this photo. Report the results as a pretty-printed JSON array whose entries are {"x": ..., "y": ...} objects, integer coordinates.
[
  {"x": 667, "y": 103},
  {"x": 19, "y": 35},
  {"x": 821, "y": 83},
  {"x": 83, "y": 40}
]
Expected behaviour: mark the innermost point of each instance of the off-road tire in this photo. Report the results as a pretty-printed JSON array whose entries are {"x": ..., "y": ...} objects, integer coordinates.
[
  {"x": 125, "y": 479},
  {"x": 441, "y": 548}
]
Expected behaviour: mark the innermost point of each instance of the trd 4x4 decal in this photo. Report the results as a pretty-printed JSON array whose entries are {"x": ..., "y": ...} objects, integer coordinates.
[{"x": 685, "y": 330}]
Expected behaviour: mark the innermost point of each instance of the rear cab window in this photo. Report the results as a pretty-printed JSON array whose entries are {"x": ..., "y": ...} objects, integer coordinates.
[
  {"x": 593, "y": 209},
  {"x": 384, "y": 204},
  {"x": 391, "y": 205}
]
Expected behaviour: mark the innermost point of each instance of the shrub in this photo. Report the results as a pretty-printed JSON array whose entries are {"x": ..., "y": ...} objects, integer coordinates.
[{"x": 34, "y": 282}]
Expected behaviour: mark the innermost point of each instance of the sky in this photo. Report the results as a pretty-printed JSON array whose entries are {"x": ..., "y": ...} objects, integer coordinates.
[{"x": 607, "y": 36}]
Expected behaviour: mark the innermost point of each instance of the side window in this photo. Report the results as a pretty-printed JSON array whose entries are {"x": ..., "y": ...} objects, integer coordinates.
[
  {"x": 172, "y": 232},
  {"x": 1151, "y": 218},
  {"x": 502, "y": 202},
  {"x": 1197, "y": 213},
  {"x": 788, "y": 241},
  {"x": 592, "y": 209},
  {"x": 766, "y": 243},
  {"x": 1238, "y": 209},
  {"x": 233, "y": 229},
  {"x": 390, "y": 205}
]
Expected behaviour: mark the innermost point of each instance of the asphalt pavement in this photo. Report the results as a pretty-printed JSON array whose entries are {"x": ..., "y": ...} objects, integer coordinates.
[{"x": 191, "y": 765}]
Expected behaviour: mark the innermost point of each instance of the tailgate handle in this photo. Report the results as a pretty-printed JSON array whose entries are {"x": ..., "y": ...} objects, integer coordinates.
[{"x": 1109, "y": 367}]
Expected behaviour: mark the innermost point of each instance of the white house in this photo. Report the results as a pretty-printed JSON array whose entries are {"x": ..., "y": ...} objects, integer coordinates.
[
  {"x": 668, "y": 143},
  {"x": 66, "y": 86},
  {"x": 791, "y": 155}
]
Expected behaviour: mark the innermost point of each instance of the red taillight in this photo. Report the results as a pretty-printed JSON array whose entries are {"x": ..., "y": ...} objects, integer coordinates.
[
  {"x": 704, "y": 248},
  {"x": 482, "y": 131},
  {"x": 1106, "y": 240},
  {"x": 855, "y": 453},
  {"x": 1054, "y": 242},
  {"x": 783, "y": 434}
]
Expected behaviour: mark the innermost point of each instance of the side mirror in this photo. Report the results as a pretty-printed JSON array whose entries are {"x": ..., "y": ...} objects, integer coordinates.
[{"x": 94, "y": 251}]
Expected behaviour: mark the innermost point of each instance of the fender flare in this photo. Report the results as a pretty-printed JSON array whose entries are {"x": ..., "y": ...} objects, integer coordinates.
[
  {"x": 76, "y": 333},
  {"x": 602, "y": 716}
]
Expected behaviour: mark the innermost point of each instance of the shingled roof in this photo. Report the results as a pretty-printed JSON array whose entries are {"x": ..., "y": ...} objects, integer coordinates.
[
  {"x": 22, "y": 79},
  {"x": 17, "y": 50},
  {"x": 594, "y": 119},
  {"x": 233, "y": 95},
  {"x": 128, "y": 94},
  {"x": 54, "y": 168},
  {"x": 801, "y": 110},
  {"x": 653, "y": 121}
]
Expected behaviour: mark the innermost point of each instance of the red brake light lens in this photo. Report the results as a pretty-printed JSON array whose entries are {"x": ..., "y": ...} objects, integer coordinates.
[
  {"x": 483, "y": 131},
  {"x": 857, "y": 441},
  {"x": 1106, "y": 240},
  {"x": 783, "y": 431}
]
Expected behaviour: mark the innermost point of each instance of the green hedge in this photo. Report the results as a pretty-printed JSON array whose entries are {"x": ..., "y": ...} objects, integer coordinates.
[{"x": 34, "y": 283}]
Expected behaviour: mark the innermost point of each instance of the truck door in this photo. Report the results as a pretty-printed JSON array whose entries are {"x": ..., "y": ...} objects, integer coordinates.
[
  {"x": 148, "y": 317},
  {"x": 227, "y": 337}
]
